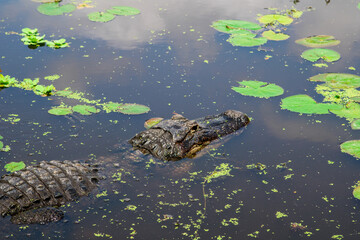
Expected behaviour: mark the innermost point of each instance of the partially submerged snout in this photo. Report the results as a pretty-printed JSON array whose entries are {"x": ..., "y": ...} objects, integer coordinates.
[{"x": 179, "y": 137}]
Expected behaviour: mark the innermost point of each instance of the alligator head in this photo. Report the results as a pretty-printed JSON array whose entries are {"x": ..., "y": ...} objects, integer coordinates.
[{"x": 179, "y": 137}]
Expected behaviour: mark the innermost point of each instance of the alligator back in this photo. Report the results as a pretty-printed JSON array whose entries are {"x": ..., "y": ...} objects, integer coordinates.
[{"x": 46, "y": 184}]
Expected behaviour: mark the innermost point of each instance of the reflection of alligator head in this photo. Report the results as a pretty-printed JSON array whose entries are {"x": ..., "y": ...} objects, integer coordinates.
[
  {"x": 27, "y": 194},
  {"x": 178, "y": 137}
]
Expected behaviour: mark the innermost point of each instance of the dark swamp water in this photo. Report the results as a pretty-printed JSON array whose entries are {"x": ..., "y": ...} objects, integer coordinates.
[{"x": 170, "y": 59}]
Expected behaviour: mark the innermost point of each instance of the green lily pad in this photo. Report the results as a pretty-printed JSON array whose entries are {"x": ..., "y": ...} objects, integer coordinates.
[
  {"x": 85, "y": 109},
  {"x": 111, "y": 106},
  {"x": 351, "y": 111},
  {"x": 258, "y": 89},
  {"x": 245, "y": 40},
  {"x": 295, "y": 13},
  {"x": 338, "y": 80},
  {"x": 315, "y": 54},
  {"x": 14, "y": 166},
  {"x": 271, "y": 35},
  {"x": 351, "y": 147},
  {"x": 275, "y": 18},
  {"x": 123, "y": 11},
  {"x": 356, "y": 192},
  {"x": 101, "y": 16},
  {"x": 1, "y": 144},
  {"x": 355, "y": 125},
  {"x": 61, "y": 110},
  {"x": 53, "y": 9},
  {"x": 133, "y": 109},
  {"x": 235, "y": 26},
  {"x": 318, "y": 41},
  {"x": 305, "y": 104},
  {"x": 152, "y": 122}
]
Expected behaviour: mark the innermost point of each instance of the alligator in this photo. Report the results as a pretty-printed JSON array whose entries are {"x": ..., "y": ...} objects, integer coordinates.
[{"x": 32, "y": 195}]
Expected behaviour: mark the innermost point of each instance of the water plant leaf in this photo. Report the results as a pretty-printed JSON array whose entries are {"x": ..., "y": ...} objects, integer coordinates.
[
  {"x": 53, "y": 9},
  {"x": 133, "y": 109},
  {"x": 235, "y": 26},
  {"x": 351, "y": 147},
  {"x": 318, "y": 41},
  {"x": 60, "y": 110},
  {"x": 85, "y": 109},
  {"x": 337, "y": 80},
  {"x": 220, "y": 171},
  {"x": 14, "y": 166},
  {"x": 1, "y": 144},
  {"x": 7, "y": 81},
  {"x": 111, "y": 106},
  {"x": 355, "y": 125},
  {"x": 356, "y": 192},
  {"x": 123, "y": 11},
  {"x": 305, "y": 104},
  {"x": 315, "y": 54},
  {"x": 101, "y": 16},
  {"x": 350, "y": 111},
  {"x": 246, "y": 40},
  {"x": 52, "y": 77},
  {"x": 295, "y": 13},
  {"x": 258, "y": 89},
  {"x": 152, "y": 122},
  {"x": 271, "y": 35},
  {"x": 275, "y": 18}
]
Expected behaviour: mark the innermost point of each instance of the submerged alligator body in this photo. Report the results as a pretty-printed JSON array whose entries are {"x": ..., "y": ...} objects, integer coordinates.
[{"x": 28, "y": 194}]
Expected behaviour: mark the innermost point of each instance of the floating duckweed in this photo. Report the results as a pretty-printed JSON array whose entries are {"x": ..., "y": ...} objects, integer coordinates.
[
  {"x": 220, "y": 171},
  {"x": 279, "y": 214},
  {"x": 305, "y": 104},
  {"x": 318, "y": 41},
  {"x": 275, "y": 19},
  {"x": 52, "y": 77},
  {"x": 315, "y": 54},
  {"x": 271, "y": 35},
  {"x": 14, "y": 166},
  {"x": 356, "y": 192},
  {"x": 258, "y": 89}
]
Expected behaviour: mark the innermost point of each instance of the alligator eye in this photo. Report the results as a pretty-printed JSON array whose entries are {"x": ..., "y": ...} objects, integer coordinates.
[{"x": 194, "y": 128}]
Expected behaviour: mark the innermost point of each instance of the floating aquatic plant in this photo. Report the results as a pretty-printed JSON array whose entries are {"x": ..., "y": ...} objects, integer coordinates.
[
  {"x": 235, "y": 26},
  {"x": 271, "y": 35},
  {"x": 305, "y": 104},
  {"x": 337, "y": 80},
  {"x": 133, "y": 108},
  {"x": 101, "y": 16},
  {"x": 85, "y": 109},
  {"x": 350, "y": 111},
  {"x": 258, "y": 89},
  {"x": 7, "y": 81},
  {"x": 60, "y": 110},
  {"x": 351, "y": 147},
  {"x": 315, "y": 54},
  {"x": 28, "y": 84},
  {"x": 152, "y": 122},
  {"x": 61, "y": 43},
  {"x": 355, "y": 125},
  {"x": 52, "y": 77},
  {"x": 356, "y": 192},
  {"x": 295, "y": 13},
  {"x": 31, "y": 37},
  {"x": 220, "y": 171},
  {"x": 44, "y": 90},
  {"x": 246, "y": 40},
  {"x": 318, "y": 41},
  {"x": 273, "y": 19},
  {"x": 4, "y": 148},
  {"x": 55, "y": 8},
  {"x": 123, "y": 11},
  {"x": 14, "y": 166}
]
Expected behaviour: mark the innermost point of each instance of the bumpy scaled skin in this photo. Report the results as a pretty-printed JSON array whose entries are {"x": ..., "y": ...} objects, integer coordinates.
[
  {"x": 179, "y": 137},
  {"x": 48, "y": 184}
]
